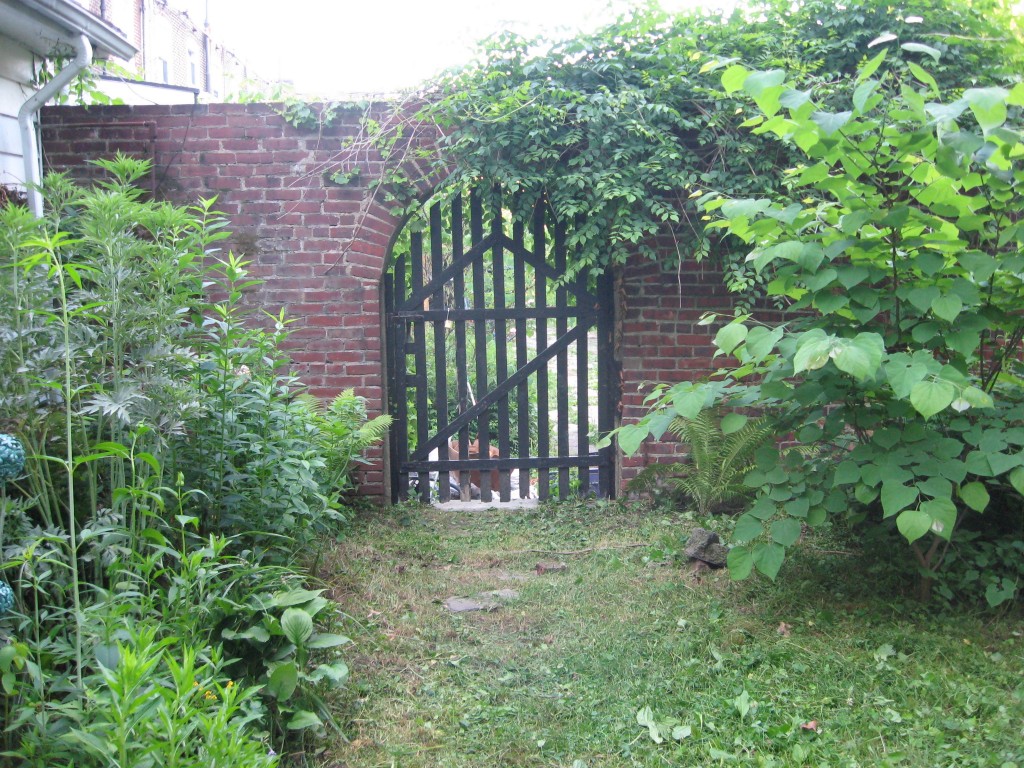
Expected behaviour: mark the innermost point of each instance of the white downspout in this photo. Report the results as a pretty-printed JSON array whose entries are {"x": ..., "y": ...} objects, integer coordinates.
[{"x": 26, "y": 115}]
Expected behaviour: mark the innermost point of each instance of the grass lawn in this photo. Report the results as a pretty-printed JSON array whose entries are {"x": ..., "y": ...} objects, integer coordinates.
[{"x": 829, "y": 666}]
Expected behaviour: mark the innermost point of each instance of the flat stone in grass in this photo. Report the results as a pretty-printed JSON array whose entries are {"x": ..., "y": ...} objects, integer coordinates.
[
  {"x": 485, "y": 601},
  {"x": 704, "y": 545}
]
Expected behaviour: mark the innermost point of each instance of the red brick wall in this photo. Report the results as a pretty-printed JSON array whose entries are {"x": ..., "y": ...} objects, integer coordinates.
[
  {"x": 660, "y": 339},
  {"x": 321, "y": 249}
]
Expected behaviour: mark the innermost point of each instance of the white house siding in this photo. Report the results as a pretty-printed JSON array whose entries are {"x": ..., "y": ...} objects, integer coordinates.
[{"x": 15, "y": 76}]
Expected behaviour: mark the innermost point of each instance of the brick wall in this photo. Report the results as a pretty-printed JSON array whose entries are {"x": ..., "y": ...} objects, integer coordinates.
[
  {"x": 660, "y": 340},
  {"x": 321, "y": 249}
]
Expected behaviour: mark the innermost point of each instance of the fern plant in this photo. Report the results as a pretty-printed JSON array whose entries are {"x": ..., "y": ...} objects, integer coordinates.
[
  {"x": 722, "y": 450},
  {"x": 344, "y": 434}
]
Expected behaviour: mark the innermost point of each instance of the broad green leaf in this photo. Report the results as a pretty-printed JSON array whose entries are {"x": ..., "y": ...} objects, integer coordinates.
[
  {"x": 1016, "y": 96},
  {"x": 283, "y": 681},
  {"x": 816, "y": 516},
  {"x": 896, "y": 497},
  {"x": 688, "y": 404},
  {"x": 924, "y": 77},
  {"x": 975, "y": 496},
  {"x": 761, "y": 341},
  {"x": 327, "y": 640},
  {"x": 913, "y": 524},
  {"x": 872, "y": 66},
  {"x": 733, "y": 422},
  {"x": 830, "y": 122},
  {"x": 861, "y": 356},
  {"x": 304, "y": 719},
  {"x": 947, "y": 307},
  {"x": 885, "y": 37},
  {"x": 812, "y": 351},
  {"x": 1002, "y": 463},
  {"x": 1017, "y": 479},
  {"x": 745, "y": 207},
  {"x": 757, "y": 83},
  {"x": 733, "y": 77},
  {"x": 793, "y": 99},
  {"x": 922, "y": 48},
  {"x": 630, "y": 436},
  {"x": 740, "y": 563},
  {"x": 336, "y": 673},
  {"x": 747, "y": 528},
  {"x": 768, "y": 559},
  {"x": 798, "y": 507},
  {"x": 998, "y": 593},
  {"x": 931, "y": 396},
  {"x": 863, "y": 93},
  {"x": 297, "y": 625},
  {"x": 846, "y": 473},
  {"x": 903, "y": 374},
  {"x": 988, "y": 106},
  {"x": 730, "y": 336},
  {"x": 786, "y": 531},
  {"x": 942, "y": 513}
]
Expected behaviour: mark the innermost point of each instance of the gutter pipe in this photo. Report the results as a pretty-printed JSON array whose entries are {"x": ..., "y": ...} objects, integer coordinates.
[{"x": 26, "y": 121}]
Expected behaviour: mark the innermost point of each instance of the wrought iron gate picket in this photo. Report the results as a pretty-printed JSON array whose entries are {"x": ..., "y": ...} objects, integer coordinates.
[{"x": 416, "y": 303}]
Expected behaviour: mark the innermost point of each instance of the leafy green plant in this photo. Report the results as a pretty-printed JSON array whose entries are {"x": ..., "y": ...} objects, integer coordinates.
[
  {"x": 721, "y": 451},
  {"x": 344, "y": 435},
  {"x": 298, "y": 662},
  {"x": 118, "y": 373},
  {"x": 898, "y": 254},
  {"x": 627, "y": 125}
]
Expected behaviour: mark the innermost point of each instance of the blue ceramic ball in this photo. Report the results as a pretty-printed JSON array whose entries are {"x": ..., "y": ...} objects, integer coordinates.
[
  {"x": 6, "y": 598},
  {"x": 12, "y": 458}
]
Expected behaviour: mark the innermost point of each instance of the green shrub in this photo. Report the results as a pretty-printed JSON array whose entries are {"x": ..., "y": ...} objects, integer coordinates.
[
  {"x": 898, "y": 253},
  {"x": 173, "y": 473}
]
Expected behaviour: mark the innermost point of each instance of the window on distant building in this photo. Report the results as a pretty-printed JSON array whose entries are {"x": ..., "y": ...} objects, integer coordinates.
[
  {"x": 193, "y": 68},
  {"x": 165, "y": 69}
]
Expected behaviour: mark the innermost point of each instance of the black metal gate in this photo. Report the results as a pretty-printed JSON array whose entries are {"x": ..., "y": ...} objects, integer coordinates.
[{"x": 475, "y": 324}]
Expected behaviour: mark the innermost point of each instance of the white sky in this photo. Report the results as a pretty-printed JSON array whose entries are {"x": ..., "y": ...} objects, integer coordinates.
[{"x": 337, "y": 47}]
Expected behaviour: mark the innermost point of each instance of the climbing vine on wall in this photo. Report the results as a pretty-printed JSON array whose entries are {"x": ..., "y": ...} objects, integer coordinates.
[{"x": 628, "y": 125}]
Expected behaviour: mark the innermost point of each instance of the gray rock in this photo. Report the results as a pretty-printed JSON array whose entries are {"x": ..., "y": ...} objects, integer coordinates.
[
  {"x": 716, "y": 555},
  {"x": 465, "y": 604},
  {"x": 485, "y": 601},
  {"x": 705, "y": 546}
]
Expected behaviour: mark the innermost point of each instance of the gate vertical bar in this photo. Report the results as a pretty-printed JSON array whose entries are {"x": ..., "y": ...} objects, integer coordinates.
[
  {"x": 607, "y": 378},
  {"x": 501, "y": 344},
  {"x": 401, "y": 395},
  {"x": 541, "y": 333},
  {"x": 392, "y": 385},
  {"x": 476, "y": 226},
  {"x": 562, "y": 365},
  {"x": 523, "y": 419},
  {"x": 437, "y": 301},
  {"x": 461, "y": 364},
  {"x": 420, "y": 346},
  {"x": 583, "y": 382}
]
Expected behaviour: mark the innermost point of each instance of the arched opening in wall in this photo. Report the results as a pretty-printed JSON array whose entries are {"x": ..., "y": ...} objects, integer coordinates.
[{"x": 500, "y": 366}]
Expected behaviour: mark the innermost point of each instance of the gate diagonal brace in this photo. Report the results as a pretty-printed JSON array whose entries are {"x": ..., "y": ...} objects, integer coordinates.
[{"x": 422, "y": 452}]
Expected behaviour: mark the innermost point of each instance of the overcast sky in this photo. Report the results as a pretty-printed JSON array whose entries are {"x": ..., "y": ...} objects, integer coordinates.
[{"x": 335, "y": 47}]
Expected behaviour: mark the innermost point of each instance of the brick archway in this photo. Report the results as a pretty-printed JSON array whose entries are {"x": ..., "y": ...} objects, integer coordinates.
[{"x": 321, "y": 248}]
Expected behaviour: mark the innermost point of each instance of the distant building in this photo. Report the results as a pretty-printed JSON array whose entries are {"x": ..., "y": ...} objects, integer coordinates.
[
  {"x": 178, "y": 59},
  {"x": 30, "y": 32}
]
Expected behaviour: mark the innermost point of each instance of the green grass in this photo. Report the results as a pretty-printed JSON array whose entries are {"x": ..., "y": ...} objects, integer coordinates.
[{"x": 557, "y": 677}]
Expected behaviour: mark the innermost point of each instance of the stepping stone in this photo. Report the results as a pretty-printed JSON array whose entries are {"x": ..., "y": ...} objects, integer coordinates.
[
  {"x": 542, "y": 568},
  {"x": 485, "y": 601}
]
